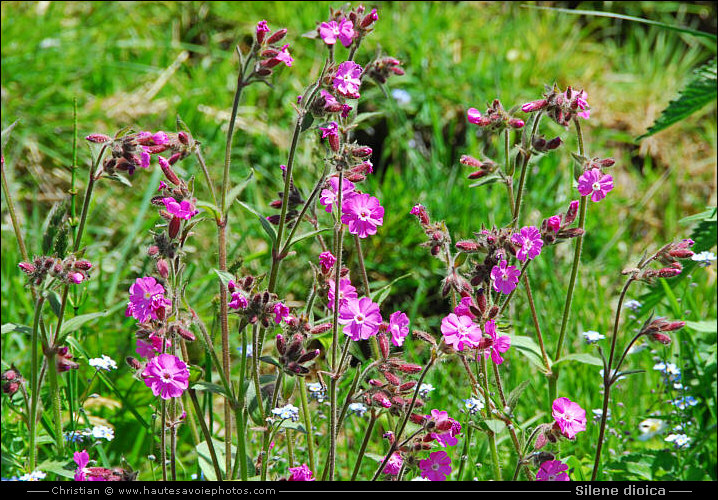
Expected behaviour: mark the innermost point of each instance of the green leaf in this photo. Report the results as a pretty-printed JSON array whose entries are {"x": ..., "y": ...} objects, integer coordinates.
[
  {"x": 307, "y": 121},
  {"x": 296, "y": 426},
  {"x": 266, "y": 225},
  {"x": 271, "y": 360},
  {"x": 528, "y": 348},
  {"x": 207, "y": 386},
  {"x": 6, "y": 133},
  {"x": 224, "y": 276},
  {"x": 581, "y": 358},
  {"x": 381, "y": 294},
  {"x": 577, "y": 474},
  {"x": 119, "y": 178},
  {"x": 54, "y": 299},
  {"x": 211, "y": 208},
  {"x": 516, "y": 393},
  {"x": 205, "y": 457},
  {"x": 237, "y": 190},
  {"x": 699, "y": 326},
  {"x": 15, "y": 327},
  {"x": 700, "y": 91},
  {"x": 75, "y": 323},
  {"x": 489, "y": 179},
  {"x": 64, "y": 469},
  {"x": 496, "y": 426}
]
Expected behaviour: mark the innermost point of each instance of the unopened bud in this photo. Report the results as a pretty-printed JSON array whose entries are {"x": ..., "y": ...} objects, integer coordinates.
[
  {"x": 308, "y": 356},
  {"x": 186, "y": 334},
  {"x": 468, "y": 246},
  {"x": 98, "y": 138},
  {"x": 409, "y": 368},
  {"x": 383, "y": 346},
  {"x": 277, "y": 36},
  {"x": 163, "y": 268},
  {"x": 174, "y": 227}
]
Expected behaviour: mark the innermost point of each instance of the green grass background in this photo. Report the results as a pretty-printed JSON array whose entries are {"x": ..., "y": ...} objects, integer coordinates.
[{"x": 117, "y": 60}]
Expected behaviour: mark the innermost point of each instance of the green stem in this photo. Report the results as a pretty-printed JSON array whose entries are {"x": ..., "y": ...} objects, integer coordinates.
[
  {"x": 205, "y": 432},
  {"x": 56, "y": 405},
  {"x": 365, "y": 442},
  {"x": 487, "y": 406},
  {"x": 524, "y": 168},
  {"x": 34, "y": 383},
  {"x": 307, "y": 422}
]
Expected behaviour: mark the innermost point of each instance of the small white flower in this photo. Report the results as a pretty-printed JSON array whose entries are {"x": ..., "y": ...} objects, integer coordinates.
[
  {"x": 316, "y": 391},
  {"x": 425, "y": 389},
  {"x": 679, "y": 440},
  {"x": 103, "y": 432},
  {"x": 592, "y": 337},
  {"x": 104, "y": 363},
  {"x": 288, "y": 412},
  {"x": 358, "y": 409},
  {"x": 633, "y": 305},
  {"x": 704, "y": 259},
  {"x": 37, "y": 475},
  {"x": 401, "y": 96}
]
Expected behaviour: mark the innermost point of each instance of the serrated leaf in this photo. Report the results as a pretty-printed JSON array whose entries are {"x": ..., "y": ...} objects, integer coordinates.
[
  {"x": 700, "y": 91},
  {"x": 15, "y": 327},
  {"x": 581, "y": 358},
  {"x": 266, "y": 225}
]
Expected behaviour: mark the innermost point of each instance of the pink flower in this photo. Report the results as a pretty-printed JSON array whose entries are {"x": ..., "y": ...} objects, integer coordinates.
[
  {"x": 463, "y": 307},
  {"x": 262, "y": 27},
  {"x": 554, "y": 223},
  {"x": 331, "y": 31},
  {"x": 460, "y": 331},
  {"x": 436, "y": 467},
  {"x": 552, "y": 470},
  {"x": 448, "y": 428},
  {"x": 239, "y": 301},
  {"x": 505, "y": 277},
  {"x": 284, "y": 55},
  {"x": 329, "y": 196},
  {"x": 529, "y": 239},
  {"x": 593, "y": 183},
  {"x": 167, "y": 376},
  {"x": 363, "y": 214},
  {"x": 281, "y": 312},
  {"x": 332, "y": 129},
  {"x": 581, "y": 103},
  {"x": 145, "y": 159},
  {"x": 81, "y": 458},
  {"x": 347, "y": 79},
  {"x": 569, "y": 416},
  {"x": 346, "y": 292},
  {"x": 330, "y": 101},
  {"x": 160, "y": 138},
  {"x": 498, "y": 345},
  {"x": 474, "y": 116},
  {"x": 361, "y": 318},
  {"x": 301, "y": 473},
  {"x": 399, "y": 327},
  {"x": 151, "y": 349},
  {"x": 146, "y": 297},
  {"x": 393, "y": 466},
  {"x": 327, "y": 261},
  {"x": 163, "y": 185},
  {"x": 184, "y": 210}
]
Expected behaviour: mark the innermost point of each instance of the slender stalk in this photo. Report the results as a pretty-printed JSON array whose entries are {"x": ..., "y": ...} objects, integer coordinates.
[
  {"x": 56, "y": 408},
  {"x": 492, "y": 438},
  {"x": 365, "y": 279},
  {"x": 365, "y": 442},
  {"x": 163, "y": 440},
  {"x": 268, "y": 432},
  {"x": 464, "y": 452},
  {"x": 307, "y": 421},
  {"x": 239, "y": 413},
  {"x": 34, "y": 383},
  {"x": 205, "y": 432},
  {"x": 13, "y": 215},
  {"x": 524, "y": 168}
]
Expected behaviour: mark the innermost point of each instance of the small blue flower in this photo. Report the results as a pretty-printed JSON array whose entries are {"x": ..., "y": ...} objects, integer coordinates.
[
  {"x": 316, "y": 391},
  {"x": 473, "y": 405},
  {"x": 287, "y": 412},
  {"x": 684, "y": 402},
  {"x": 633, "y": 305},
  {"x": 357, "y": 409},
  {"x": 704, "y": 259},
  {"x": 679, "y": 440}
]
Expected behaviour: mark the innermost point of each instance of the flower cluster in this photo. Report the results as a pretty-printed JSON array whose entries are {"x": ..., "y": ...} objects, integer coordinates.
[
  {"x": 561, "y": 107},
  {"x": 496, "y": 119},
  {"x": 68, "y": 270}
]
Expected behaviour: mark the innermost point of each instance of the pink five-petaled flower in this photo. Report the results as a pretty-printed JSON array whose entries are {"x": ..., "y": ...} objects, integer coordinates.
[
  {"x": 329, "y": 100},
  {"x": 475, "y": 117},
  {"x": 331, "y": 31},
  {"x": 552, "y": 470},
  {"x": 346, "y": 292},
  {"x": 146, "y": 297},
  {"x": 167, "y": 376},
  {"x": 554, "y": 223},
  {"x": 582, "y": 104},
  {"x": 361, "y": 318},
  {"x": 460, "y": 331},
  {"x": 301, "y": 473},
  {"x": 347, "y": 79},
  {"x": 284, "y": 55},
  {"x": 569, "y": 416},
  {"x": 184, "y": 209},
  {"x": 529, "y": 239},
  {"x": 81, "y": 458},
  {"x": 505, "y": 277},
  {"x": 332, "y": 128},
  {"x": 463, "y": 308},
  {"x": 393, "y": 466},
  {"x": 281, "y": 312},
  {"x": 363, "y": 214},
  {"x": 150, "y": 349},
  {"x": 448, "y": 428},
  {"x": 327, "y": 261},
  {"x": 399, "y": 327},
  {"x": 593, "y": 182},
  {"x": 329, "y": 196},
  {"x": 436, "y": 467},
  {"x": 498, "y": 345}
]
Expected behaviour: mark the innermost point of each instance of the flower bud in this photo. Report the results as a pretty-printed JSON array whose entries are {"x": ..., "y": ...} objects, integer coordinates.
[
  {"x": 392, "y": 379},
  {"x": 534, "y": 105},
  {"x": 660, "y": 337},
  {"x": 409, "y": 368},
  {"x": 382, "y": 400},
  {"x": 26, "y": 267},
  {"x": 468, "y": 246},
  {"x": 167, "y": 169},
  {"x": 277, "y": 36},
  {"x": 369, "y": 19},
  {"x": 186, "y": 334},
  {"x": 383, "y": 346},
  {"x": 163, "y": 268},
  {"x": 308, "y": 356},
  {"x": 281, "y": 344},
  {"x": 98, "y": 138},
  {"x": 83, "y": 265},
  {"x": 174, "y": 227}
]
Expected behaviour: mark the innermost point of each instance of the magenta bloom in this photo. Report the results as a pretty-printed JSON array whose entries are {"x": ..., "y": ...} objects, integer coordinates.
[
  {"x": 281, "y": 312},
  {"x": 569, "y": 416},
  {"x": 554, "y": 223},
  {"x": 363, "y": 214},
  {"x": 184, "y": 210},
  {"x": 160, "y": 138},
  {"x": 529, "y": 239},
  {"x": 593, "y": 182},
  {"x": 448, "y": 428},
  {"x": 552, "y": 470},
  {"x": 361, "y": 318},
  {"x": 436, "y": 467},
  {"x": 329, "y": 196},
  {"x": 152, "y": 348},
  {"x": 330, "y": 101},
  {"x": 399, "y": 327},
  {"x": 239, "y": 301},
  {"x": 393, "y": 466},
  {"x": 332, "y": 128},
  {"x": 146, "y": 297},
  {"x": 460, "y": 331},
  {"x": 346, "y": 292},
  {"x": 463, "y": 307},
  {"x": 167, "y": 376},
  {"x": 343, "y": 31},
  {"x": 327, "y": 261},
  {"x": 473, "y": 115},
  {"x": 145, "y": 159},
  {"x": 81, "y": 458},
  {"x": 347, "y": 79},
  {"x": 301, "y": 473},
  {"x": 284, "y": 55},
  {"x": 505, "y": 277},
  {"x": 582, "y": 104},
  {"x": 498, "y": 345}
]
